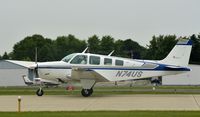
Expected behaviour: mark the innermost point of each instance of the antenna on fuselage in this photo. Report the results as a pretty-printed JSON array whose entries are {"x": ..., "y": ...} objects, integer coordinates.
[
  {"x": 85, "y": 50},
  {"x": 111, "y": 53}
]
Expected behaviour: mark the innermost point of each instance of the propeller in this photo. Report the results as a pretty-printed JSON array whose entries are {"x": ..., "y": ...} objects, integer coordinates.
[{"x": 36, "y": 68}]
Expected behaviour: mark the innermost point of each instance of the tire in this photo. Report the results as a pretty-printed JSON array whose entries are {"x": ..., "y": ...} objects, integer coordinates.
[
  {"x": 39, "y": 92},
  {"x": 86, "y": 92}
]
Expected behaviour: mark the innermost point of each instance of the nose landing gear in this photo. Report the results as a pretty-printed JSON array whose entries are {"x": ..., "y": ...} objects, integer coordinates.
[{"x": 40, "y": 92}]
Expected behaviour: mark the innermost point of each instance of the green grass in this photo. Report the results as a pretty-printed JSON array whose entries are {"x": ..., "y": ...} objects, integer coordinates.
[
  {"x": 104, "y": 114},
  {"x": 104, "y": 90}
]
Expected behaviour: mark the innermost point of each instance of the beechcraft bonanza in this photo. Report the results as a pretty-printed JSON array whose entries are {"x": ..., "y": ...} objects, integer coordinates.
[{"x": 90, "y": 69}]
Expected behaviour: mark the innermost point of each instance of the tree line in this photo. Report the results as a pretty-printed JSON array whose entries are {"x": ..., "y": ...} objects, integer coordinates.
[{"x": 54, "y": 50}]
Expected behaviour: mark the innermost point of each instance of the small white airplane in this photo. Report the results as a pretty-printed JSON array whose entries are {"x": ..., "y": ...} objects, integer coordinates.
[{"x": 92, "y": 68}]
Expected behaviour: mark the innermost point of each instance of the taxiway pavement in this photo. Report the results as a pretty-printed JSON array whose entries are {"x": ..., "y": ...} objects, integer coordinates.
[{"x": 106, "y": 102}]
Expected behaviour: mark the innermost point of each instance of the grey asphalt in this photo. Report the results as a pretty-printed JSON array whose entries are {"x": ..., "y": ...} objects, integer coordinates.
[{"x": 106, "y": 102}]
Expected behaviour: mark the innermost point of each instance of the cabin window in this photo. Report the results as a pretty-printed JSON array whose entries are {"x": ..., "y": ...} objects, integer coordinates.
[
  {"x": 107, "y": 61},
  {"x": 79, "y": 59},
  {"x": 119, "y": 62},
  {"x": 94, "y": 60}
]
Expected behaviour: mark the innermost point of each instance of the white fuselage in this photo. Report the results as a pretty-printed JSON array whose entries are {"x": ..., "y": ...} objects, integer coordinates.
[{"x": 130, "y": 69}]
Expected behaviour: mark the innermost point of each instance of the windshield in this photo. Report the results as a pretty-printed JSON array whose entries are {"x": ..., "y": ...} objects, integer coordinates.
[
  {"x": 79, "y": 59},
  {"x": 67, "y": 58}
]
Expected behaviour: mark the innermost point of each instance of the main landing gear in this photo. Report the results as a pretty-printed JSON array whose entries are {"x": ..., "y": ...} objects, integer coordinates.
[
  {"x": 87, "y": 92},
  {"x": 84, "y": 92},
  {"x": 39, "y": 92},
  {"x": 87, "y": 85}
]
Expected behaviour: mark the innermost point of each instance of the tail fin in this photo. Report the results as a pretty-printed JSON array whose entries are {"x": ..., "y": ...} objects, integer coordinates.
[{"x": 180, "y": 54}]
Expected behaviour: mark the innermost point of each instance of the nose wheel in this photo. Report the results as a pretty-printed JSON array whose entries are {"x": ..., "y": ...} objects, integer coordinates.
[
  {"x": 86, "y": 92},
  {"x": 39, "y": 92}
]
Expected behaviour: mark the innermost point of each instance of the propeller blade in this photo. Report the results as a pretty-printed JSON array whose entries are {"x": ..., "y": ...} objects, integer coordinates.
[{"x": 36, "y": 68}]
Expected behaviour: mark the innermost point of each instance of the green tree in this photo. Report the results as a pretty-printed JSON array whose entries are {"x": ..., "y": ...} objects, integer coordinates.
[
  {"x": 160, "y": 46},
  {"x": 49, "y": 56},
  {"x": 118, "y": 47},
  {"x": 133, "y": 49},
  {"x": 195, "y": 54},
  {"x": 68, "y": 44},
  {"x": 106, "y": 45},
  {"x": 5, "y": 56},
  {"x": 93, "y": 43},
  {"x": 25, "y": 49}
]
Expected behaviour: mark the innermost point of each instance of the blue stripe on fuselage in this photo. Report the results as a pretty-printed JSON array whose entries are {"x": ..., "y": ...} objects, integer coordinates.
[
  {"x": 161, "y": 67},
  {"x": 54, "y": 67},
  {"x": 157, "y": 69}
]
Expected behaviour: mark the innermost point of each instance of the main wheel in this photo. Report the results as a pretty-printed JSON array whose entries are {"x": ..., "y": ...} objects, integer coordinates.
[
  {"x": 86, "y": 92},
  {"x": 39, "y": 92}
]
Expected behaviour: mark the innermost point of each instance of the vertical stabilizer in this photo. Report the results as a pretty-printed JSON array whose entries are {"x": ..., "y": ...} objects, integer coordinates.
[{"x": 180, "y": 54}]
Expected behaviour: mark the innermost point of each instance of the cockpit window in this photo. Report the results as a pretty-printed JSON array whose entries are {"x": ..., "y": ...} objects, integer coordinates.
[
  {"x": 79, "y": 59},
  {"x": 68, "y": 57}
]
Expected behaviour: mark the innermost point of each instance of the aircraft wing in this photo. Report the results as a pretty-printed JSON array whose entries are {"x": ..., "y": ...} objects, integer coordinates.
[
  {"x": 25, "y": 64},
  {"x": 86, "y": 73},
  {"x": 39, "y": 81}
]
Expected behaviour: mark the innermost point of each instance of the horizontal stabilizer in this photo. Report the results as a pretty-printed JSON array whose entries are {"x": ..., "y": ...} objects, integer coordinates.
[{"x": 177, "y": 68}]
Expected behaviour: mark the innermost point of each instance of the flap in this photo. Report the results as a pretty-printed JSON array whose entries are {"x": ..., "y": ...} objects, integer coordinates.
[{"x": 86, "y": 73}]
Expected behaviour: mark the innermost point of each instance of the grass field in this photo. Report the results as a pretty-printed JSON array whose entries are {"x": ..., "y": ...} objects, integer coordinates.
[
  {"x": 104, "y": 114},
  {"x": 104, "y": 90}
]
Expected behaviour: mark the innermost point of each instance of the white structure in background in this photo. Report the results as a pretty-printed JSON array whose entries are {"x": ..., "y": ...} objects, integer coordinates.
[
  {"x": 189, "y": 78},
  {"x": 11, "y": 73}
]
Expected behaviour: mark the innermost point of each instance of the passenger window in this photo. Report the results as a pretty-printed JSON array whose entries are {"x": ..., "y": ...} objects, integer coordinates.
[
  {"x": 94, "y": 60},
  {"x": 79, "y": 59},
  {"x": 107, "y": 61},
  {"x": 119, "y": 62}
]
